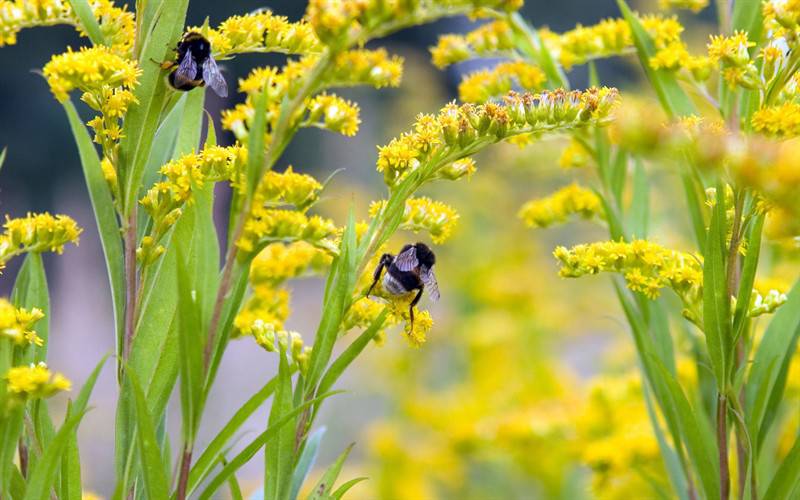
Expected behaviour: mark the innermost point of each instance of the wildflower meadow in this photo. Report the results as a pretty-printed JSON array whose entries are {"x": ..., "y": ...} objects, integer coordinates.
[{"x": 610, "y": 213}]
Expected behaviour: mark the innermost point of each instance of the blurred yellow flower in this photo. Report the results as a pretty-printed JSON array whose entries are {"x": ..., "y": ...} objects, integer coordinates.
[
  {"x": 16, "y": 324},
  {"x": 569, "y": 200},
  {"x": 35, "y": 381}
]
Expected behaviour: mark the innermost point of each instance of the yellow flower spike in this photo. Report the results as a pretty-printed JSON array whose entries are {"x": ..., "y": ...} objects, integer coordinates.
[
  {"x": 268, "y": 305},
  {"x": 34, "y": 382},
  {"x": 279, "y": 262},
  {"x": 375, "y": 68},
  {"x": 483, "y": 85},
  {"x": 435, "y": 217},
  {"x": 671, "y": 58},
  {"x": 491, "y": 39},
  {"x": 693, "y": 5},
  {"x": 334, "y": 113},
  {"x": 556, "y": 208},
  {"x": 730, "y": 50},
  {"x": 269, "y": 224},
  {"x": 363, "y": 313},
  {"x": 261, "y": 31},
  {"x": 300, "y": 190},
  {"x": 116, "y": 24},
  {"x": 423, "y": 323},
  {"x": 456, "y": 129},
  {"x": 16, "y": 324},
  {"x": 646, "y": 266},
  {"x": 90, "y": 70},
  {"x": 37, "y": 233},
  {"x": 779, "y": 121}
]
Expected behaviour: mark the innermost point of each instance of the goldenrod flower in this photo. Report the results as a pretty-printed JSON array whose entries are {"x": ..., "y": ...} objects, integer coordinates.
[
  {"x": 781, "y": 13},
  {"x": 333, "y": 113},
  {"x": 488, "y": 40},
  {"x": 459, "y": 130},
  {"x": 610, "y": 37},
  {"x": 89, "y": 70},
  {"x": 260, "y": 31},
  {"x": 672, "y": 57},
  {"x": 693, "y": 5},
  {"x": 557, "y": 207},
  {"x": 289, "y": 187},
  {"x": 417, "y": 334},
  {"x": 375, "y": 68},
  {"x": 290, "y": 342},
  {"x": 34, "y": 382},
  {"x": 265, "y": 225},
  {"x": 438, "y": 218},
  {"x": 647, "y": 267},
  {"x": 574, "y": 156},
  {"x": 279, "y": 262},
  {"x": 37, "y": 233},
  {"x": 268, "y": 305},
  {"x": 116, "y": 24},
  {"x": 730, "y": 50},
  {"x": 780, "y": 121},
  {"x": 16, "y": 323},
  {"x": 481, "y": 86}
]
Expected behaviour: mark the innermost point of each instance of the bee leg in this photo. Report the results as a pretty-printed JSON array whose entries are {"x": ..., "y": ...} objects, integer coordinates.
[
  {"x": 411, "y": 306},
  {"x": 386, "y": 261}
]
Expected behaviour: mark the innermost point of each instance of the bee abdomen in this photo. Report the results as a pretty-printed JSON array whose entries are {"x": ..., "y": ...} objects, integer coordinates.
[{"x": 393, "y": 286}]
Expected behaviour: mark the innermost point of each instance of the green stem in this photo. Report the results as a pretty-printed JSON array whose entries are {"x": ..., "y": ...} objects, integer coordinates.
[{"x": 722, "y": 446}]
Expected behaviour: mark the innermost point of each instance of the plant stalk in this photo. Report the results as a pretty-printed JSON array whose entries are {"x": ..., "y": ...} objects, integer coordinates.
[
  {"x": 183, "y": 479},
  {"x": 722, "y": 445},
  {"x": 130, "y": 284}
]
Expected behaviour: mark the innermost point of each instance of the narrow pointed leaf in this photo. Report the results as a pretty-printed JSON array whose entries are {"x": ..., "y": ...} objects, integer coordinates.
[
  {"x": 279, "y": 452},
  {"x": 306, "y": 461},
  {"x": 324, "y": 487},
  {"x": 88, "y": 21},
  {"x": 153, "y": 469}
]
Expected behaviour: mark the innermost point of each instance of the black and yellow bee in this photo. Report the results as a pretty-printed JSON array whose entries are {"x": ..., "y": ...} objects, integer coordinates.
[
  {"x": 411, "y": 269},
  {"x": 194, "y": 66}
]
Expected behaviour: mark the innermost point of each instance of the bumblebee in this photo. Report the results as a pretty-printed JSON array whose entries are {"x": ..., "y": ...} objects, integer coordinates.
[
  {"x": 194, "y": 66},
  {"x": 411, "y": 269}
]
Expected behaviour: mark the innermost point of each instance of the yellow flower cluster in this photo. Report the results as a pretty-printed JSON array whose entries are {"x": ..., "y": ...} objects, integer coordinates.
[
  {"x": 267, "y": 223},
  {"x": 778, "y": 121},
  {"x": 781, "y": 14},
  {"x": 350, "y": 68},
  {"x": 164, "y": 201},
  {"x": 693, "y": 5},
  {"x": 731, "y": 53},
  {"x": 116, "y": 24},
  {"x": 424, "y": 214},
  {"x": 766, "y": 303},
  {"x": 574, "y": 155},
  {"x": 37, "y": 233},
  {"x": 609, "y": 37},
  {"x": 279, "y": 262},
  {"x": 616, "y": 439},
  {"x": 16, "y": 323},
  {"x": 557, "y": 207},
  {"x": 457, "y": 131},
  {"x": 90, "y": 70},
  {"x": 260, "y": 31},
  {"x": 646, "y": 266},
  {"x": 290, "y": 342},
  {"x": 267, "y": 305},
  {"x": 483, "y": 85},
  {"x": 488, "y": 40},
  {"x": 339, "y": 23},
  {"x": 333, "y": 113},
  {"x": 35, "y": 381},
  {"x": 675, "y": 56}
]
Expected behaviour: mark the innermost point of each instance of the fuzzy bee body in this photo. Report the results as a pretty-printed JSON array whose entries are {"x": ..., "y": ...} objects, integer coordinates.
[
  {"x": 194, "y": 66},
  {"x": 410, "y": 270}
]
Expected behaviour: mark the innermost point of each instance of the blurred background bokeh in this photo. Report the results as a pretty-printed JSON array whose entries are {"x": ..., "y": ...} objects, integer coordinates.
[{"x": 480, "y": 410}]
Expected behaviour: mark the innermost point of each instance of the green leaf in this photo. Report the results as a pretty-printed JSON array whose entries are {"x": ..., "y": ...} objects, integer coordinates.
[
  {"x": 71, "y": 468},
  {"x": 639, "y": 212},
  {"x": 530, "y": 42},
  {"x": 786, "y": 479},
  {"x": 336, "y": 301},
  {"x": 190, "y": 342},
  {"x": 142, "y": 119},
  {"x": 306, "y": 461},
  {"x": 747, "y": 16},
  {"x": 88, "y": 21},
  {"x": 208, "y": 459},
  {"x": 699, "y": 444},
  {"x": 673, "y": 99},
  {"x": 30, "y": 290},
  {"x": 672, "y": 460},
  {"x": 251, "y": 449},
  {"x": 10, "y": 431},
  {"x": 323, "y": 489},
  {"x": 153, "y": 468},
  {"x": 43, "y": 474},
  {"x": 279, "y": 452},
  {"x": 345, "y": 487},
  {"x": 255, "y": 143},
  {"x": 236, "y": 490},
  {"x": 619, "y": 170},
  {"x": 104, "y": 213},
  {"x": 188, "y": 139},
  {"x": 351, "y": 353},
  {"x": 770, "y": 367},
  {"x": 716, "y": 301},
  {"x": 692, "y": 188},
  {"x": 748, "y": 277}
]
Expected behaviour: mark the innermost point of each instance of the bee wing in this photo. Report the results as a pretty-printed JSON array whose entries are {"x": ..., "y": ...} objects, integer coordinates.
[
  {"x": 187, "y": 70},
  {"x": 213, "y": 77},
  {"x": 407, "y": 259},
  {"x": 429, "y": 280}
]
